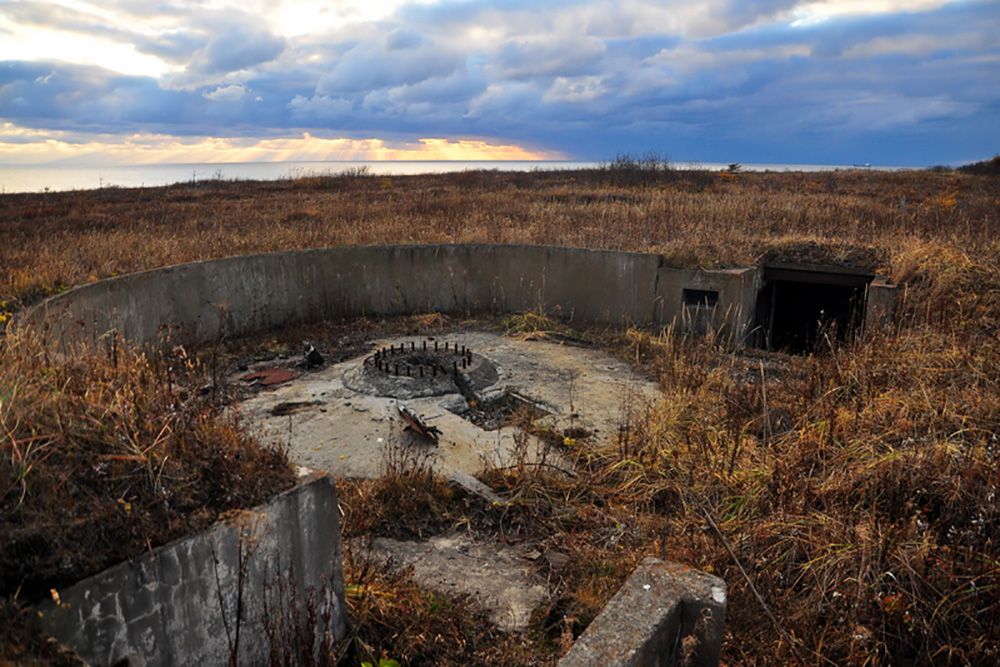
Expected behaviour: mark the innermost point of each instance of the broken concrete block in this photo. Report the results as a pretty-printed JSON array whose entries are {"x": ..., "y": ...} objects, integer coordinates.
[{"x": 665, "y": 614}]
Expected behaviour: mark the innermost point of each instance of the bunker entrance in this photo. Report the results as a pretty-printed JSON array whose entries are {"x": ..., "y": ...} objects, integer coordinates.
[{"x": 798, "y": 309}]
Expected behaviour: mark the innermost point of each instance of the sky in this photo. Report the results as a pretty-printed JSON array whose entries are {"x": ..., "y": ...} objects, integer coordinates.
[{"x": 885, "y": 82}]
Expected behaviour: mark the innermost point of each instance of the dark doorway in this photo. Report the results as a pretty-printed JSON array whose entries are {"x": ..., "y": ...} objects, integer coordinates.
[{"x": 797, "y": 309}]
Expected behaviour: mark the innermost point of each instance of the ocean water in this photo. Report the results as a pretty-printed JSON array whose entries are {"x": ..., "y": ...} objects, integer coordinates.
[{"x": 58, "y": 178}]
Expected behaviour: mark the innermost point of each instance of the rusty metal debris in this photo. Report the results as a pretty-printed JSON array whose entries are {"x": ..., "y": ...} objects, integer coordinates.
[
  {"x": 421, "y": 368},
  {"x": 418, "y": 424},
  {"x": 271, "y": 376}
]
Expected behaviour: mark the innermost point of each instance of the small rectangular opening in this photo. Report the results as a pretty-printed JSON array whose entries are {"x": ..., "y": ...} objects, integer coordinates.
[{"x": 701, "y": 298}]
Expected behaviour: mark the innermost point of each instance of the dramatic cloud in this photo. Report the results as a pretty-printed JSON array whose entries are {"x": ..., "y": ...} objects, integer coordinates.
[
  {"x": 236, "y": 48},
  {"x": 548, "y": 56},
  {"x": 401, "y": 58},
  {"x": 795, "y": 81}
]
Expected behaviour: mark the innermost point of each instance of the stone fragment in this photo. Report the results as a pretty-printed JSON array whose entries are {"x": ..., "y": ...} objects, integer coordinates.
[{"x": 311, "y": 356}]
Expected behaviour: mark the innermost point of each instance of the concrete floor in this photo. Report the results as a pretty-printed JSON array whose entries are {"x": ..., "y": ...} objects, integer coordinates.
[{"x": 329, "y": 426}]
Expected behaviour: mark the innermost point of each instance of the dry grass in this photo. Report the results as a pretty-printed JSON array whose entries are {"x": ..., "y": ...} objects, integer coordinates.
[
  {"x": 694, "y": 218},
  {"x": 107, "y": 453},
  {"x": 857, "y": 489}
]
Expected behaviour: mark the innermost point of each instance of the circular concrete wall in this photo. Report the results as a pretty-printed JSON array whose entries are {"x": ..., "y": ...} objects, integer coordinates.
[{"x": 235, "y": 296}]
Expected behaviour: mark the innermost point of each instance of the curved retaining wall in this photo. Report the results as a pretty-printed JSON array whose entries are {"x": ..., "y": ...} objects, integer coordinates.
[{"x": 234, "y": 296}]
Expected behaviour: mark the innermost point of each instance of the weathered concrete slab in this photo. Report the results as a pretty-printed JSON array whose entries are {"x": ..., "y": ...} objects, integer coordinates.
[
  {"x": 881, "y": 302},
  {"x": 665, "y": 614},
  {"x": 494, "y": 577},
  {"x": 352, "y": 434},
  {"x": 178, "y": 604}
]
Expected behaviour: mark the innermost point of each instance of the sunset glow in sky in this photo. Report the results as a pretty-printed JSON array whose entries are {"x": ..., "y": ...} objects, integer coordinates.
[{"x": 895, "y": 82}]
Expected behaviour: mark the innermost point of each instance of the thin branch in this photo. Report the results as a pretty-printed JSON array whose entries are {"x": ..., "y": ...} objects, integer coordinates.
[{"x": 760, "y": 599}]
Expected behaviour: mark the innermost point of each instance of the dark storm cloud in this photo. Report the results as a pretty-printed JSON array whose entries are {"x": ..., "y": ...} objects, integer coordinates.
[
  {"x": 548, "y": 56},
  {"x": 60, "y": 96},
  {"x": 453, "y": 89}
]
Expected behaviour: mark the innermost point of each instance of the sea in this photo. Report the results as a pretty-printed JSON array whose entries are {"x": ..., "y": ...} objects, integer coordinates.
[{"x": 59, "y": 178}]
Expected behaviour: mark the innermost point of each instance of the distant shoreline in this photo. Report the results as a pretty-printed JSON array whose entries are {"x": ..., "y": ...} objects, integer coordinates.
[{"x": 60, "y": 178}]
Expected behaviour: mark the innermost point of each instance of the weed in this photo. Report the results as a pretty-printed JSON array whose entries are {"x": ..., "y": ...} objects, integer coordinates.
[
  {"x": 635, "y": 170},
  {"x": 530, "y": 323}
]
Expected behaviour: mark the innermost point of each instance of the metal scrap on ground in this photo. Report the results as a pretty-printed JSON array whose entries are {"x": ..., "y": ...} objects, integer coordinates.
[
  {"x": 270, "y": 377},
  {"x": 415, "y": 422}
]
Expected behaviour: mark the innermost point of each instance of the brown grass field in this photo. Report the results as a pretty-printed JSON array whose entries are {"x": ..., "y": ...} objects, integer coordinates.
[{"x": 850, "y": 498}]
